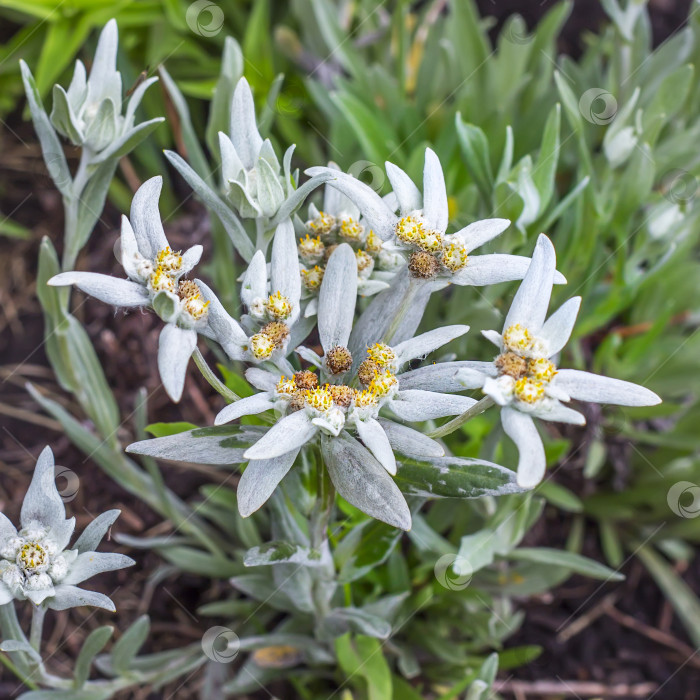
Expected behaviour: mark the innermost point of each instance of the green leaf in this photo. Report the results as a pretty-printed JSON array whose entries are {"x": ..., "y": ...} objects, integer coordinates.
[
  {"x": 455, "y": 477},
  {"x": 278, "y": 552},
  {"x": 364, "y": 548},
  {"x": 92, "y": 646},
  {"x": 362, "y": 658},
  {"x": 679, "y": 594},
  {"x": 475, "y": 147},
  {"x": 128, "y": 645},
  {"x": 568, "y": 560},
  {"x": 165, "y": 429},
  {"x": 546, "y": 166}
]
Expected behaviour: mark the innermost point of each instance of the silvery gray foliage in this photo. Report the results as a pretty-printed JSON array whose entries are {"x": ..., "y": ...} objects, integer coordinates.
[{"x": 36, "y": 561}]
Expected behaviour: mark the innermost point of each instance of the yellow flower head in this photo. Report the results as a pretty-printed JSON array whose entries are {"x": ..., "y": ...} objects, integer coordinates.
[
  {"x": 408, "y": 229},
  {"x": 312, "y": 278},
  {"x": 454, "y": 256},
  {"x": 320, "y": 398},
  {"x": 529, "y": 390},
  {"x": 518, "y": 338},
  {"x": 169, "y": 261},
  {"x": 286, "y": 387},
  {"x": 262, "y": 346},
  {"x": 322, "y": 225},
  {"x": 542, "y": 369},
  {"x": 351, "y": 229},
  {"x": 382, "y": 383},
  {"x": 382, "y": 355},
  {"x": 278, "y": 306},
  {"x": 161, "y": 281}
]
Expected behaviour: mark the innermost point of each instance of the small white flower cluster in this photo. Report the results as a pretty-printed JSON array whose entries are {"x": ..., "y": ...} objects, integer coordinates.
[
  {"x": 353, "y": 397},
  {"x": 36, "y": 563}
]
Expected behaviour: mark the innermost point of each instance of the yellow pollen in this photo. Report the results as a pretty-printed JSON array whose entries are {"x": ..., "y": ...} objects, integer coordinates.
[
  {"x": 322, "y": 225},
  {"x": 518, "y": 338},
  {"x": 278, "y": 306},
  {"x": 261, "y": 346},
  {"x": 408, "y": 229},
  {"x": 312, "y": 278},
  {"x": 364, "y": 260},
  {"x": 320, "y": 398},
  {"x": 311, "y": 249},
  {"x": 32, "y": 556},
  {"x": 529, "y": 390},
  {"x": 382, "y": 383},
  {"x": 430, "y": 241},
  {"x": 169, "y": 261},
  {"x": 351, "y": 229},
  {"x": 373, "y": 244},
  {"x": 161, "y": 281},
  {"x": 454, "y": 256},
  {"x": 542, "y": 369},
  {"x": 287, "y": 387},
  {"x": 381, "y": 354},
  {"x": 365, "y": 399}
]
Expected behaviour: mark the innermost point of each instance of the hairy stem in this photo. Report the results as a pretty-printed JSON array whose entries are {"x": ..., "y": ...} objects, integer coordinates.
[
  {"x": 451, "y": 426},
  {"x": 408, "y": 299},
  {"x": 38, "y": 614},
  {"x": 213, "y": 380}
]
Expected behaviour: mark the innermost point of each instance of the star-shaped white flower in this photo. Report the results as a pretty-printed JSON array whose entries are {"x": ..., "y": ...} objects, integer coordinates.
[
  {"x": 524, "y": 379},
  {"x": 419, "y": 230},
  {"x": 36, "y": 562},
  {"x": 154, "y": 274}
]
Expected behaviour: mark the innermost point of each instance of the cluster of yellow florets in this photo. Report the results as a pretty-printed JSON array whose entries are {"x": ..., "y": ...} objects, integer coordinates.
[
  {"x": 163, "y": 277},
  {"x": 191, "y": 295},
  {"x": 326, "y": 232},
  {"x": 434, "y": 249},
  {"x": 524, "y": 365},
  {"x": 382, "y": 355},
  {"x": 278, "y": 306},
  {"x": 270, "y": 337}
]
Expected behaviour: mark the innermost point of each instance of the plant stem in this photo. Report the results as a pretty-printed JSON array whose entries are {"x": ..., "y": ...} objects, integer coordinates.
[
  {"x": 408, "y": 299},
  {"x": 451, "y": 426},
  {"x": 38, "y": 614},
  {"x": 213, "y": 380},
  {"x": 71, "y": 206},
  {"x": 318, "y": 531}
]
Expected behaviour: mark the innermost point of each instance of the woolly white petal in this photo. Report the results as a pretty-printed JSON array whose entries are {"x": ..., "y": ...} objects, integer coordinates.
[
  {"x": 74, "y": 597},
  {"x": 262, "y": 379},
  {"x": 145, "y": 218},
  {"x": 337, "y": 298},
  {"x": 110, "y": 290},
  {"x": 227, "y": 331},
  {"x": 244, "y": 131},
  {"x": 247, "y": 406},
  {"x": 88, "y": 564},
  {"x": 378, "y": 216},
  {"x": 254, "y": 283},
  {"x": 446, "y": 377},
  {"x": 290, "y": 433},
  {"x": 285, "y": 276},
  {"x": 376, "y": 441},
  {"x": 481, "y": 270},
  {"x": 175, "y": 347},
  {"x": 410, "y": 442},
  {"x": 416, "y": 405},
  {"x": 260, "y": 479},
  {"x": 425, "y": 343},
  {"x": 407, "y": 194},
  {"x": 531, "y": 301},
  {"x": 480, "y": 232},
  {"x": 493, "y": 337},
  {"x": 190, "y": 258},
  {"x": 434, "y": 193},
  {"x": 521, "y": 429},
  {"x": 556, "y": 330},
  {"x": 586, "y": 386},
  {"x": 474, "y": 378},
  {"x": 558, "y": 413}
]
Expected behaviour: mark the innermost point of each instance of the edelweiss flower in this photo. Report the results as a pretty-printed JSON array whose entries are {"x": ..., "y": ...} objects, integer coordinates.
[
  {"x": 89, "y": 113},
  {"x": 339, "y": 222},
  {"x": 310, "y": 408},
  {"x": 154, "y": 272},
  {"x": 252, "y": 175},
  {"x": 524, "y": 379},
  {"x": 420, "y": 229},
  {"x": 264, "y": 333},
  {"x": 36, "y": 563}
]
